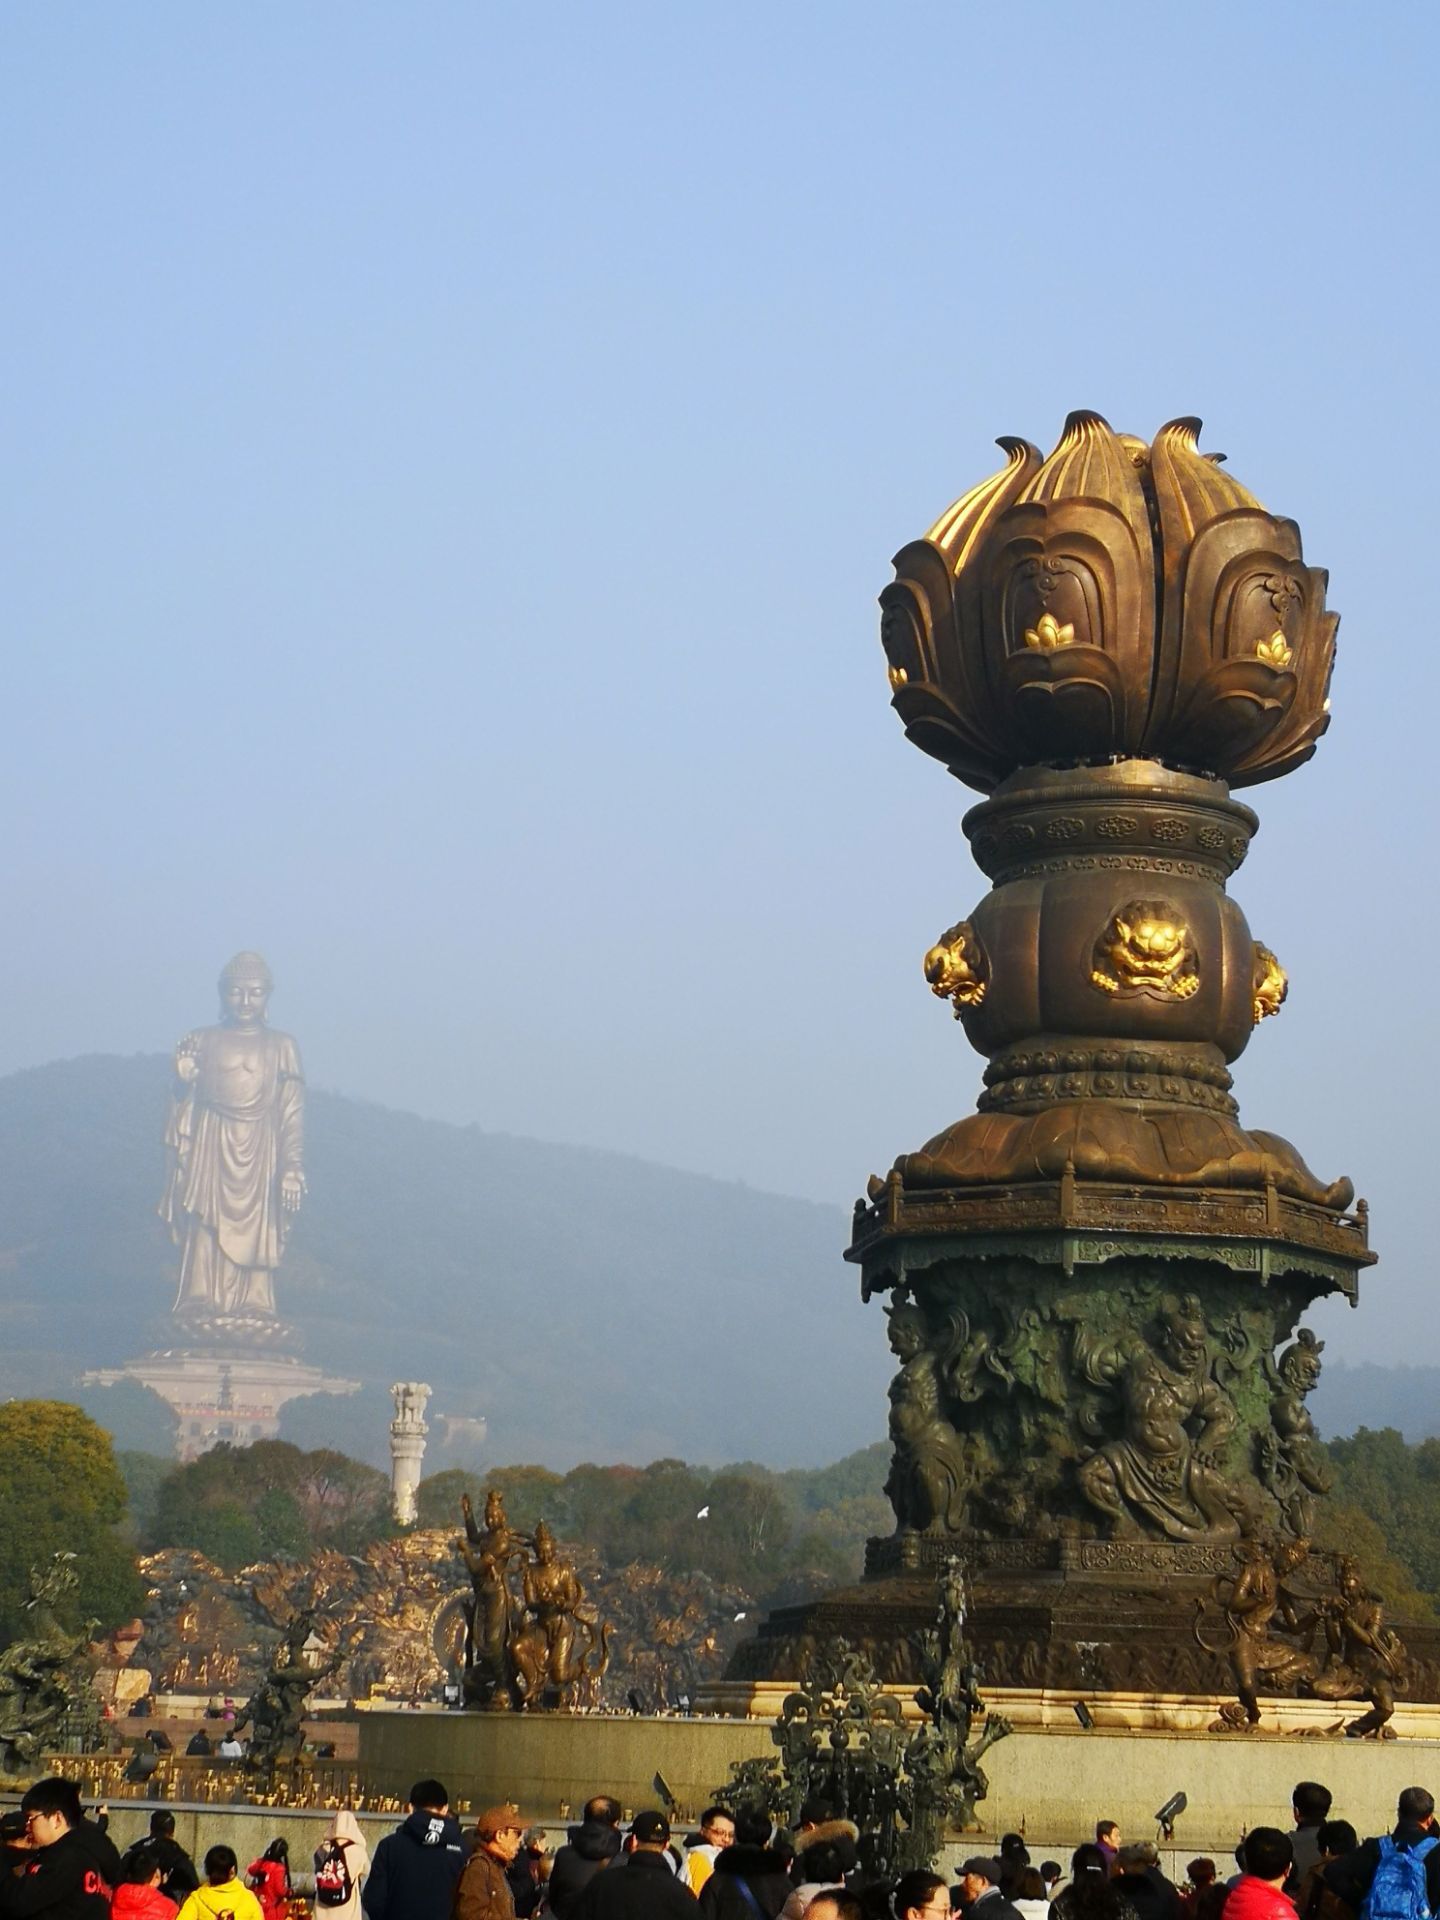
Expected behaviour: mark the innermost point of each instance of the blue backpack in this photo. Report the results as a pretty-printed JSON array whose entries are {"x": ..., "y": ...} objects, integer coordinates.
[{"x": 1398, "y": 1891}]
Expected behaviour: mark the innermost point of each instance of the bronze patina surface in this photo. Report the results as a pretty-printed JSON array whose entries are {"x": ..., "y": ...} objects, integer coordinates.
[{"x": 1095, "y": 1280}]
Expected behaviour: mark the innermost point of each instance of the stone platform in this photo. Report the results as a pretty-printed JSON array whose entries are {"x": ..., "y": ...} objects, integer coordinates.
[
  {"x": 1051, "y": 1779},
  {"x": 222, "y": 1392}
]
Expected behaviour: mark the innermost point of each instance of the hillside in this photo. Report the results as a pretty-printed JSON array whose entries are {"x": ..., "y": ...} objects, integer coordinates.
[{"x": 591, "y": 1306}]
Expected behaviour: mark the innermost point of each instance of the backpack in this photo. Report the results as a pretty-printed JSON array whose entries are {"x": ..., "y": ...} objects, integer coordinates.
[
  {"x": 333, "y": 1885},
  {"x": 1398, "y": 1891}
]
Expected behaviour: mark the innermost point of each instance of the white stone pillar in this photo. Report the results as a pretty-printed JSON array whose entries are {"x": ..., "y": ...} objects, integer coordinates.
[{"x": 407, "y": 1447}]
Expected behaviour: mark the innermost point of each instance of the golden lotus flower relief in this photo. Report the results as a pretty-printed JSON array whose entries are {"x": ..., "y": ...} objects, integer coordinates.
[
  {"x": 1047, "y": 634},
  {"x": 957, "y": 967},
  {"x": 1276, "y": 651},
  {"x": 1147, "y": 948},
  {"x": 1271, "y": 983}
]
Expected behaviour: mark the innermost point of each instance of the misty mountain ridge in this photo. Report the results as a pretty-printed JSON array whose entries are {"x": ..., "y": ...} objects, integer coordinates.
[{"x": 591, "y": 1305}]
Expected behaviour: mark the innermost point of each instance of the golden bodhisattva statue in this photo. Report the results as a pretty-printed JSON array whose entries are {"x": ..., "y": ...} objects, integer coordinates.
[{"x": 236, "y": 1141}]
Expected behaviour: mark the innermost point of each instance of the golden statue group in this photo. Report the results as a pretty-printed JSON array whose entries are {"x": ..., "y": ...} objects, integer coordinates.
[{"x": 531, "y": 1638}]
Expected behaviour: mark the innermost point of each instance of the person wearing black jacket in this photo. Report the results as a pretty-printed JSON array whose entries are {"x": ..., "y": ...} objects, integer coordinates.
[
  {"x": 751, "y": 1863},
  {"x": 593, "y": 1845},
  {"x": 1350, "y": 1876},
  {"x": 414, "y": 1872},
  {"x": 177, "y": 1870},
  {"x": 74, "y": 1867},
  {"x": 646, "y": 1887}
]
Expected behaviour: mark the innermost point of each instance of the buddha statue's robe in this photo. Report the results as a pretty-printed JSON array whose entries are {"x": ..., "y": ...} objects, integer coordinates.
[{"x": 236, "y": 1128}]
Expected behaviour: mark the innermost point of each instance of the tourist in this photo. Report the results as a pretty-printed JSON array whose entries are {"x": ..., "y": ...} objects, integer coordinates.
[
  {"x": 1107, "y": 1839},
  {"x": 15, "y": 1843},
  {"x": 592, "y": 1845},
  {"x": 177, "y": 1870},
  {"x": 978, "y": 1890},
  {"x": 224, "y": 1896},
  {"x": 1310, "y": 1803},
  {"x": 1028, "y": 1895},
  {"x": 529, "y": 1872},
  {"x": 483, "y": 1892},
  {"x": 752, "y": 1874},
  {"x": 1143, "y": 1884},
  {"x": 230, "y": 1748},
  {"x": 70, "y": 1868},
  {"x": 1352, "y": 1876},
  {"x": 825, "y": 1855},
  {"x": 199, "y": 1746},
  {"x": 647, "y": 1889},
  {"x": 918, "y": 1895},
  {"x": 342, "y": 1860},
  {"x": 140, "y": 1894},
  {"x": 717, "y": 1831},
  {"x": 413, "y": 1874},
  {"x": 1050, "y": 1873},
  {"x": 1267, "y": 1856},
  {"x": 1092, "y": 1893},
  {"x": 1316, "y": 1901},
  {"x": 1199, "y": 1875},
  {"x": 1014, "y": 1858},
  {"x": 268, "y": 1878},
  {"x": 815, "y": 1812}
]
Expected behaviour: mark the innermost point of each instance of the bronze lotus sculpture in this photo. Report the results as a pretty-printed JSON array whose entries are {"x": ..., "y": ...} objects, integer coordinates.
[
  {"x": 1096, "y": 1278},
  {"x": 1114, "y": 599},
  {"x": 1104, "y": 642}
]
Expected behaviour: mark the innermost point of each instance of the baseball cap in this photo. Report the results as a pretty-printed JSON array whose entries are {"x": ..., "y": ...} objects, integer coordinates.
[
  {"x": 495, "y": 1820},
  {"x": 650, "y": 1828}
]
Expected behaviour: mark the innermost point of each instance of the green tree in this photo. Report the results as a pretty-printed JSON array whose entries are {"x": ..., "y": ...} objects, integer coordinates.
[
  {"x": 746, "y": 1535},
  {"x": 145, "y": 1473},
  {"x": 1346, "y": 1529},
  {"x": 531, "y": 1494},
  {"x": 135, "y": 1417},
  {"x": 437, "y": 1498},
  {"x": 268, "y": 1501},
  {"x": 1398, "y": 1486},
  {"x": 62, "y": 1491}
]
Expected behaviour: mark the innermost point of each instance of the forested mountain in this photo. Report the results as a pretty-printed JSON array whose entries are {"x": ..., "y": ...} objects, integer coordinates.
[{"x": 589, "y": 1305}]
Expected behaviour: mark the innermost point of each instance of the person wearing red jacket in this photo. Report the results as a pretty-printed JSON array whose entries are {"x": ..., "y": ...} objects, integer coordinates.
[
  {"x": 138, "y": 1896},
  {"x": 1267, "y": 1857},
  {"x": 268, "y": 1878}
]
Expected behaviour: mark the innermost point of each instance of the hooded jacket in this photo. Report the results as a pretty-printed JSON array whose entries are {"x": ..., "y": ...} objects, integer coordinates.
[
  {"x": 231, "y": 1900},
  {"x": 345, "y": 1833},
  {"x": 64, "y": 1881},
  {"x": 414, "y": 1872},
  {"x": 592, "y": 1844},
  {"x": 767, "y": 1875}
]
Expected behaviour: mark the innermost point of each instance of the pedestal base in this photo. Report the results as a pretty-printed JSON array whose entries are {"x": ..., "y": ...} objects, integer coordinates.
[
  {"x": 1083, "y": 1616},
  {"x": 223, "y": 1392}
]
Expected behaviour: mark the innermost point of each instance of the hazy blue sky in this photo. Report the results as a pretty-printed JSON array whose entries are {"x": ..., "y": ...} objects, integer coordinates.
[{"x": 452, "y": 455}]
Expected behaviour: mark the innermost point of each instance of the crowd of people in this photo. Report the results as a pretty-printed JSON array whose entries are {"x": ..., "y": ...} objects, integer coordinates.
[{"x": 60, "y": 1863}]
